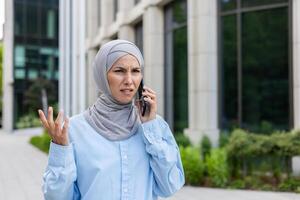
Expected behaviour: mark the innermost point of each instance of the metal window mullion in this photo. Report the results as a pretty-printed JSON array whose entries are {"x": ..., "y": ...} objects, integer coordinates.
[
  {"x": 239, "y": 63},
  {"x": 254, "y": 8},
  {"x": 290, "y": 53}
]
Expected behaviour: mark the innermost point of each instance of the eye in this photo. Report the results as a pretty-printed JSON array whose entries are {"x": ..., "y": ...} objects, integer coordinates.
[
  {"x": 137, "y": 70},
  {"x": 118, "y": 70}
]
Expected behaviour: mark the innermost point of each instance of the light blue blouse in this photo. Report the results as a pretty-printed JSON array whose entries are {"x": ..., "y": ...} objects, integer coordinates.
[{"x": 142, "y": 167}]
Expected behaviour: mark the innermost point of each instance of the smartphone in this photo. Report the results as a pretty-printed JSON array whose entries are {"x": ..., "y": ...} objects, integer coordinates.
[{"x": 143, "y": 104}]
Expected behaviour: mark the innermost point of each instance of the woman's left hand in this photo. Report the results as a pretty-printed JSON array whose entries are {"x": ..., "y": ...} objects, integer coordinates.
[{"x": 150, "y": 97}]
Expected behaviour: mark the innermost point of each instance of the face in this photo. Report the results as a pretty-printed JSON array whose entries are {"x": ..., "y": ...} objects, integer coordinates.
[{"x": 124, "y": 78}]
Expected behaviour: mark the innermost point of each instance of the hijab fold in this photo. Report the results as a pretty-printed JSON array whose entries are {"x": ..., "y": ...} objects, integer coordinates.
[{"x": 111, "y": 119}]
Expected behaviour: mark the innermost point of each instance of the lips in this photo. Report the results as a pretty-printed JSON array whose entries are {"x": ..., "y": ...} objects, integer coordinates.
[{"x": 127, "y": 91}]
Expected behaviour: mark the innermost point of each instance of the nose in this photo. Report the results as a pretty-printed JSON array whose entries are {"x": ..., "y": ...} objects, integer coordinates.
[{"x": 128, "y": 79}]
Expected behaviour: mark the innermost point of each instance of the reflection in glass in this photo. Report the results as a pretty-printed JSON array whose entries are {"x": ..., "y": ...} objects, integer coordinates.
[
  {"x": 32, "y": 74},
  {"x": 19, "y": 73},
  {"x": 265, "y": 68},
  {"x": 51, "y": 24},
  {"x": 229, "y": 78},
  {"x": 176, "y": 73},
  {"x": 19, "y": 56},
  {"x": 35, "y": 49},
  {"x": 31, "y": 19},
  {"x": 139, "y": 36},
  {"x": 179, "y": 13},
  {"x": 180, "y": 86},
  {"x": 227, "y": 5}
]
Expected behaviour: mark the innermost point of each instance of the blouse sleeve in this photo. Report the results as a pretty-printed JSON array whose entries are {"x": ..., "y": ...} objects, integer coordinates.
[
  {"x": 60, "y": 174},
  {"x": 165, "y": 158}
]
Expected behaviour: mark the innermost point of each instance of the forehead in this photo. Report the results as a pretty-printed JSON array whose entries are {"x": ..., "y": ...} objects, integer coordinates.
[{"x": 127, "y": 60}]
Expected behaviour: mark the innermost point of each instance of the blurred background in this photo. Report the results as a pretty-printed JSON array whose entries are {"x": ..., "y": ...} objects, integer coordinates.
[{"x": 218, "y": 66}]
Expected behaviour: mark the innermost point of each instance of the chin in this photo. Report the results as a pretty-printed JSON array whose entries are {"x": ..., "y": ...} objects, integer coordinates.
[{"x": 125, "y": 100}]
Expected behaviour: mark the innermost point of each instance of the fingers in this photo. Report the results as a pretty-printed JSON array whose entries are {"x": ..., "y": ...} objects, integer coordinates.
[
  {"x": 151, "y": 101},
  {"x": 146, "y": 88},
  {"x": 148, "y": 94},
  {"x": 58, "y": 123},
  {"x": 65, "y": 127},
  {"x": 50, "y": 118},
  {"x": 43, "y": 119}
]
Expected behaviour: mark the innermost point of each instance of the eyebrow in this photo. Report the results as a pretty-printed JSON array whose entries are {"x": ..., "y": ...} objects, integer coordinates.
[{"x": 121, "y": 67}]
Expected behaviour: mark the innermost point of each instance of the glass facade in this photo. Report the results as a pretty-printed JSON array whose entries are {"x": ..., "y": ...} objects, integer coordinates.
[
  {"x": 176, "y": 66},
  {"x": 139, "y": 35},
  {"x": 35, "y": 51},
  {"x": 116, "y": 9},
  {"x": 255, "y": 65}
]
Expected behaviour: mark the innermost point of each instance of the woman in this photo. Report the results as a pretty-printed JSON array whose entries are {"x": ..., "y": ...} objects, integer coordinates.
[{"x": 111, "y": 151}]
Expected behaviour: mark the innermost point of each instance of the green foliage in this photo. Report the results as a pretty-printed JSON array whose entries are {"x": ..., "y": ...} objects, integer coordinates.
[
  {"x": 34, "y": 93},
  {"x": 237, "y": 184},
  {"x": 192, "y": 164},
  {"x": 28, "y": 121},
  {"x": 223, "y": 139},
  {"x": 217, "y": 167},
  {"x": 291, "y": 184},
  {"x": 42, "y": 142},
  {"x": 243, "y": 144},
  {"x": 182, "y": 140},
  {"x": 205, "y": 146}
]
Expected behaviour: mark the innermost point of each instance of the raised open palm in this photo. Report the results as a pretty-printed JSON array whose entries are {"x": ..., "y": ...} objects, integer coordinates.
[{"x": 58, "y": 134}]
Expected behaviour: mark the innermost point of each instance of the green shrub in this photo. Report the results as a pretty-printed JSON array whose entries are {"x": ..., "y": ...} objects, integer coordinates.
[
  {"x": 237, "y": 184},
  {"x": 205, "y": 146},
  {"x": 182, "y": 140},
  {"x": 192, "y": 164},
  {"x": 28, "y": 121},
  {"x": 223, "y": 139},
  {"x": 291, "y": 184},
  {"x": 217, "y": 167},
  {"x": 42, "y": 142}
]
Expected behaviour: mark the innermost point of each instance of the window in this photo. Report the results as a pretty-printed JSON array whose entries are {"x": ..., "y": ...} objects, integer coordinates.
[
  {"x": 116, "y": 9},
  {"x": 255, "y": 66},
  {"x": 139, "y": 36},
  {"x": 176, "y": 73},
  {"x": 35, "y": 49},
  {"x": 99, "y": 13},
  {"x": 137, "y": 1}
]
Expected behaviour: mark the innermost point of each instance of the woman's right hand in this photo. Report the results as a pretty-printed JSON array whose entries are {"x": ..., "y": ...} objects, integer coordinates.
[{"x": 58, "y": 134}]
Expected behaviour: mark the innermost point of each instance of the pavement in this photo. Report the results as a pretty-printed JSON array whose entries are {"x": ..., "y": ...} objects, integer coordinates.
[{"x": 22, "y": 167}]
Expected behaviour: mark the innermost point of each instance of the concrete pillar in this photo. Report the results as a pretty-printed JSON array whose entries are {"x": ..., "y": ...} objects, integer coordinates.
[
  {"x": 8, "y": 67},
  {"x": 126, "y": 31},
  {"x": 107, "y": 8},
  {"x": 153, "y": 20},
  {"x": 72, "y": 77},
  {"x": 202, "y": 70},
  {"x": 78, "y": 73},
  {"x": 296, "y": 62},
  {"x": 92, "y": 21}
]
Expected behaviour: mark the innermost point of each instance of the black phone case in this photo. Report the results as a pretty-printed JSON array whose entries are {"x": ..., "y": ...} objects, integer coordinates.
[{"x": 143, "y": 103}]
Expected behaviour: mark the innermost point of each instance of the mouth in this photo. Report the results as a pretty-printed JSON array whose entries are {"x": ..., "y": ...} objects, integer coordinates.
[{"x": 127, "y": 91}]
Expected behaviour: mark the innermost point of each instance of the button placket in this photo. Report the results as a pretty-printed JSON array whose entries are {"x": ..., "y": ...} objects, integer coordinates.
[{"x": 125, "y": 170}]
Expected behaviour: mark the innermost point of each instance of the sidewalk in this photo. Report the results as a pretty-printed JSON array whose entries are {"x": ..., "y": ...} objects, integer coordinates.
[
  {"x": 22, "y": 167},
  {"x": 196, "y": 193}
]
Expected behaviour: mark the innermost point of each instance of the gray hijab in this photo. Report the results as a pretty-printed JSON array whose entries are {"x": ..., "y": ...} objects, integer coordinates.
[{"x": 107, "y": 116}]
